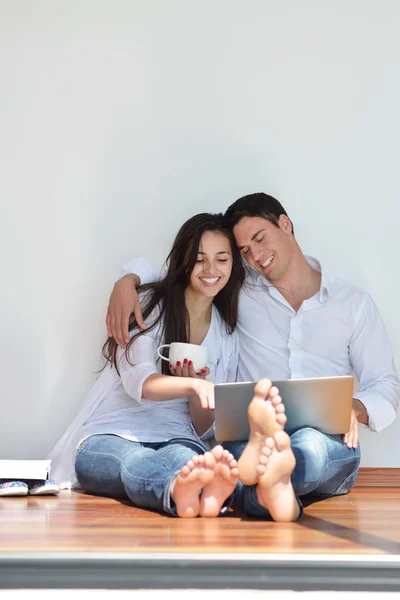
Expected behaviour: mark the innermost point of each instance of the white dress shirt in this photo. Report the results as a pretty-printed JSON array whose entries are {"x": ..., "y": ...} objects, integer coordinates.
[{"x": 336, "y": 332}]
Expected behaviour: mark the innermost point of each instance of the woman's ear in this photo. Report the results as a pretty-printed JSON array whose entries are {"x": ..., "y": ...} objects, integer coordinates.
[{"x": 285, "y": 224}]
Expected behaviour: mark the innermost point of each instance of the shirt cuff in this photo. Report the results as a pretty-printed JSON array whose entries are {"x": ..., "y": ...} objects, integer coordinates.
[
  {"x": 380, "y": 412},
  {"x": 142, "y": 268}
]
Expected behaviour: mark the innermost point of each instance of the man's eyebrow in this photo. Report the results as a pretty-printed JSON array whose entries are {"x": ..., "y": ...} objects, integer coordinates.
[{"x": 253, "y": 237}]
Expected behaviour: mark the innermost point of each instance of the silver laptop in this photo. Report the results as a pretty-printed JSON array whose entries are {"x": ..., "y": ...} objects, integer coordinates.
[{"x": 323, "y": 403}]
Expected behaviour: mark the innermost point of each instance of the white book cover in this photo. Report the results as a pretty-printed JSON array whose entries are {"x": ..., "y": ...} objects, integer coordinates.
[{"x": 24, "y": 469}]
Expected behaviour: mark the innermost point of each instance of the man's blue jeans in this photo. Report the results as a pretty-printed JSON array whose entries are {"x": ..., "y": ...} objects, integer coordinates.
[
  {"x": 325, "y": 467},
  {"x": 108, "y": 465}
]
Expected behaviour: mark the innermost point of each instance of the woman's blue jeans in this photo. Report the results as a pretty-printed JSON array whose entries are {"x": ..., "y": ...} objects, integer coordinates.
[
  {"x": 325, "y": 467},
  {"x": 108, "y": 465}
]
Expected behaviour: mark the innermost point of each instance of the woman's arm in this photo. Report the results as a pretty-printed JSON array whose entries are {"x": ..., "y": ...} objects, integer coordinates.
[
  {"x": 163, "y": 387},
  {"x": 141, "y": 379},
  {"x": 199, "y": 391}
]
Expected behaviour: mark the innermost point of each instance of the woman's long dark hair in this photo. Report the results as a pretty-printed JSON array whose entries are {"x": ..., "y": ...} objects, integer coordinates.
[{"x": 168, "y": 294}]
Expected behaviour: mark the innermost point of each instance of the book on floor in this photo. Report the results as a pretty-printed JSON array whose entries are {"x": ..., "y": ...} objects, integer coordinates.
[{"x": 24, "y": 469}]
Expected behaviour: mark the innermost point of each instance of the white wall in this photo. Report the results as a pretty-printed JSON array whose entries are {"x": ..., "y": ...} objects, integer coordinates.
[{"x": 119, "y": 119}]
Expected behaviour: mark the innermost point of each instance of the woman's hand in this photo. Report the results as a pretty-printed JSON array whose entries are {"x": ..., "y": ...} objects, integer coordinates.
[
  {"x": 187, "y": 370},
  {"x": 204, "y": 391}
]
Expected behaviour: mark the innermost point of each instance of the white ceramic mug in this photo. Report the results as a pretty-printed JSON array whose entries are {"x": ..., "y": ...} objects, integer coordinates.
[{"x": 178, "y": 351}]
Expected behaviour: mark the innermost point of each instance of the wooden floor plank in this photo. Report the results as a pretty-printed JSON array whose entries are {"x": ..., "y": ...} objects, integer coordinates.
[
  {"x": 373, "y": 477},
  {"x": 366, "y": 521}
]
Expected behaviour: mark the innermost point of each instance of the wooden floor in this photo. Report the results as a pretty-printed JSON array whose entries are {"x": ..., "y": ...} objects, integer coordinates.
[
  {"x": 76, "y": 540},
  {"x": 366, "y": 521}
]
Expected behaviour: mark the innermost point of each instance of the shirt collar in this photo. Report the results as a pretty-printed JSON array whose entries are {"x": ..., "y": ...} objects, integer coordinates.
[{"x": 327, "y": 282}]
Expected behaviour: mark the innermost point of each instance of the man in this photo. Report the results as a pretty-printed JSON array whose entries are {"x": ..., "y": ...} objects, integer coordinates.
[{"x": 295, "y": 320}]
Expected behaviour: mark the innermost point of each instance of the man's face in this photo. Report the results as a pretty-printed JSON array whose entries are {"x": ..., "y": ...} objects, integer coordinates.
[{"x": 265, "y": 246}]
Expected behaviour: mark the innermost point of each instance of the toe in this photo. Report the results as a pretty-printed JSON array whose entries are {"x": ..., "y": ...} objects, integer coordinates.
[
  {"x": 198, "y": 461},
  {"x": 282, "y": 440},
  {"x": 279, "y": 406},
  {"x": 260, "y": 469},
  {"x": 274, "y": 393},
  {"x": 281, "y": 419},
  {"x": 262, "y": 388},
  {"x": 269, "y": 443},
  {"x": 266, "y": 451},
  {"x": 209, "y": 460},
  {"x": 218, "y": 452}
]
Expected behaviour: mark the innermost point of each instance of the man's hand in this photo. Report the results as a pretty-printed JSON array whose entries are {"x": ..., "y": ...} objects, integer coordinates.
[
  {"x": 360, "y": 411},
  {"x": 123, "y": 302},
  {"x": 351, "y": 437},
  {"x": 359, "y": 414}
]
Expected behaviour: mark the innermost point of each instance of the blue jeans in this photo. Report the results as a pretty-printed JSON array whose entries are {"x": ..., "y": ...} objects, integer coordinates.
[
  {"x": 108, "y": 465},
  {"x": 324, "y": 467}
]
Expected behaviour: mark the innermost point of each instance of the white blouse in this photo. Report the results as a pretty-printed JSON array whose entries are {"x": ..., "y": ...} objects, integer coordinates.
[{"x": 115, "y": 404}]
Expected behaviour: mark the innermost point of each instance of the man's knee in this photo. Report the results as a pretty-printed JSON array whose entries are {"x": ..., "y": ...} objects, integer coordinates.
[
  {"x": 310, "y": 441},
  {"x": 324, "y": 460},
  {"x": 310, "y": 451}
]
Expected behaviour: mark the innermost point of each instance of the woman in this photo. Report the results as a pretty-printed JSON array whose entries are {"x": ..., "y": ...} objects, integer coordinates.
[{"x": 143, "y": 433}]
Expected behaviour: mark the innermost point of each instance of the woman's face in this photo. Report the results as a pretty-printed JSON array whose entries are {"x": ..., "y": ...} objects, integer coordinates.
[{"x": 214, "y": 264}]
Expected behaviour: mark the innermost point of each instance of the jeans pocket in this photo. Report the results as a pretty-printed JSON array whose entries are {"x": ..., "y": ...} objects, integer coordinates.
[{"x": 81, "y": 446}]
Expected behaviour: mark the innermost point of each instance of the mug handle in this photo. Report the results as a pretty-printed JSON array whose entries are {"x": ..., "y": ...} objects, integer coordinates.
[{"x": 159, "y": 353}]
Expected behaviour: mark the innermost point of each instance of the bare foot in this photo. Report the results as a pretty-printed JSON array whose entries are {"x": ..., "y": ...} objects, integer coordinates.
[
  {"x": 187, "y": 485},
  {"x": 226, "y": 476},
  {"x": 274, "y": 490},
  {"x": 266, "y": 416}
]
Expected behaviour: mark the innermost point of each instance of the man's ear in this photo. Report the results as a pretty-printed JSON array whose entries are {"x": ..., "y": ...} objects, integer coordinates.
[{"x": 285, "y": 224}]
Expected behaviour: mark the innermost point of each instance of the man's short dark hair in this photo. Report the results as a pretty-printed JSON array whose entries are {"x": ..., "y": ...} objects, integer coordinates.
[{"x": 255, "y": 205}]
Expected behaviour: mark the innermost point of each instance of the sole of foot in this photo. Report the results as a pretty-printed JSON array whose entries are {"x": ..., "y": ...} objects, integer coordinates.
[
  {"x": 274, "y": 488},
  {"x": 226, "y": 477},
  {"x": 266, "y": 415},
  {"x": 188, "y": 484}
]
